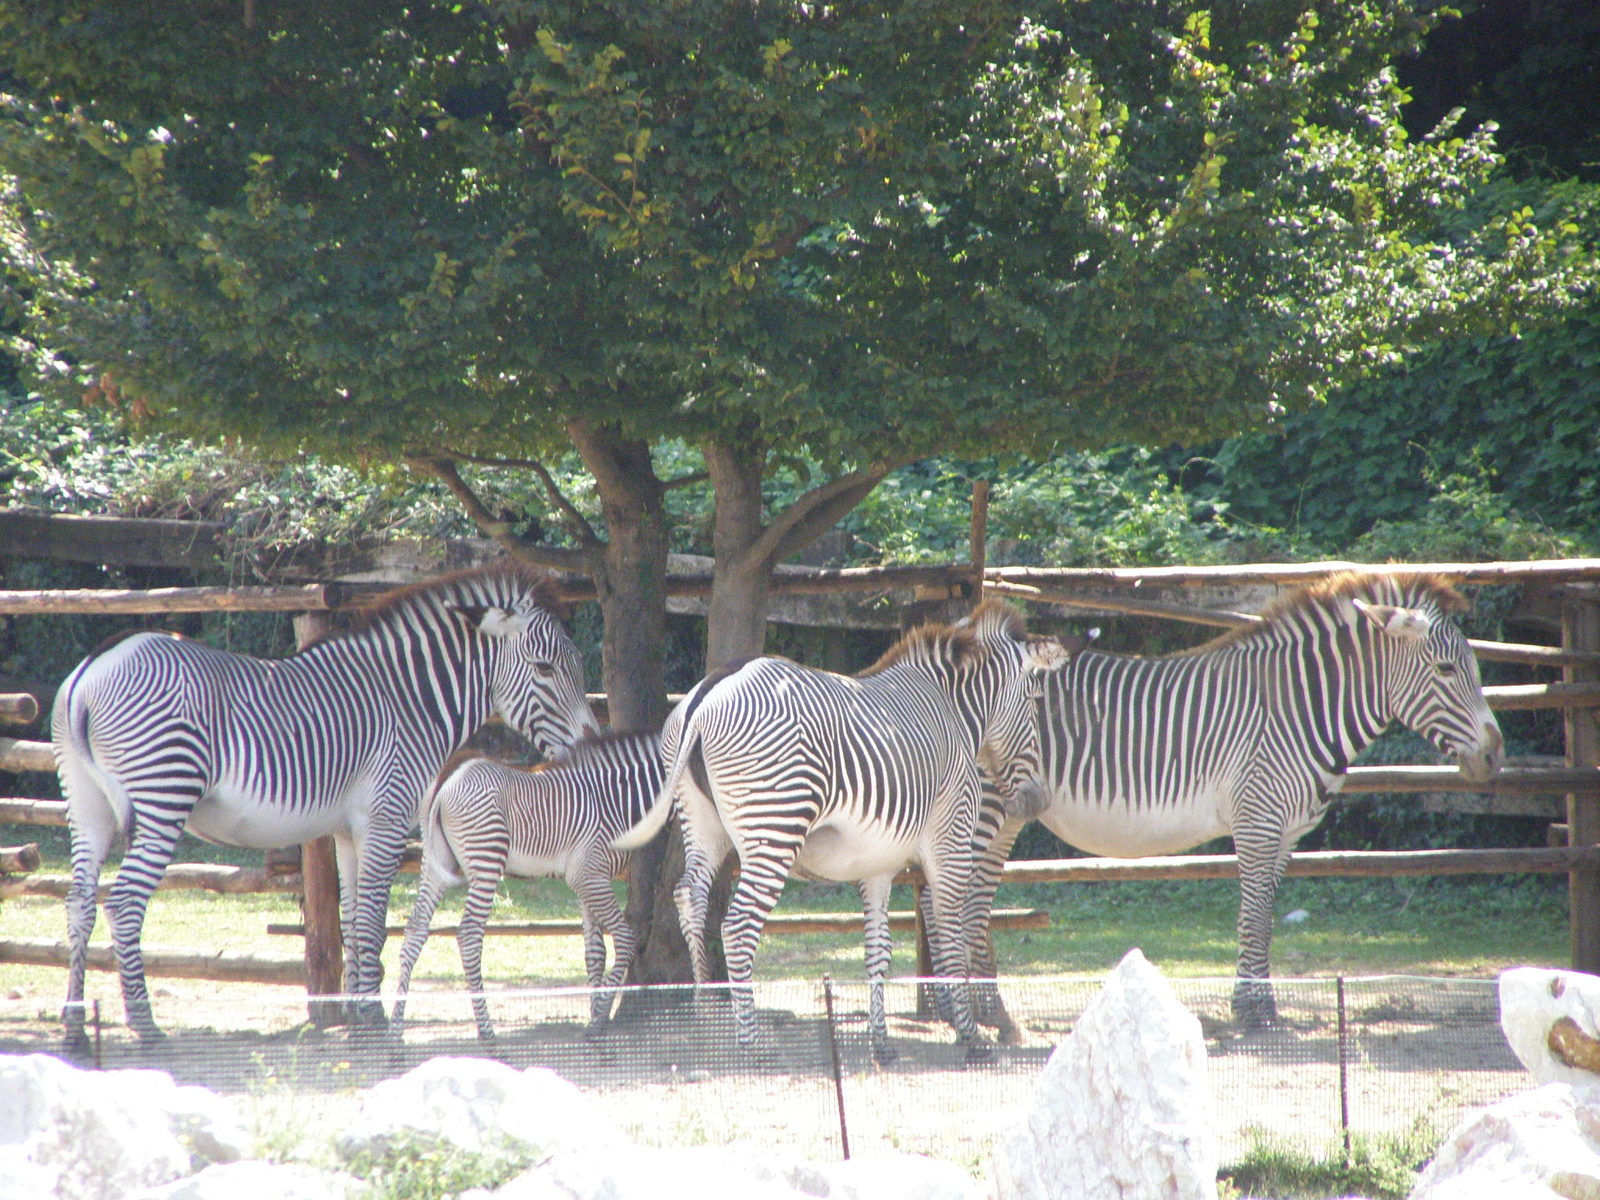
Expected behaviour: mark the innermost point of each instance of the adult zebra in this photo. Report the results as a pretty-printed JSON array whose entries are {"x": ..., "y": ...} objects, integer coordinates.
[
  {"x": 483, "y": 819},
  {"x": 155, "y": 733},
  {"x": 851, "y": 779},
  {"x": 1248, "y": 735}
]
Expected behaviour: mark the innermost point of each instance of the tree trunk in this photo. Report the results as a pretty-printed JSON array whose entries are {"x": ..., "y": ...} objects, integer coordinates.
[
  {"x": 736, "y": 622},
  {"x": 629, "y": 570}
]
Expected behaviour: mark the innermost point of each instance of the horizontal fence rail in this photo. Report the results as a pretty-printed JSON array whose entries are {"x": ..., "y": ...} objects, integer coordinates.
[{"x": 226, "y": 966}]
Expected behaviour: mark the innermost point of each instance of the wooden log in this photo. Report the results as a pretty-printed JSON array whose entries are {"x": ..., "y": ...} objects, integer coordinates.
[
  {"x": 224, "y": 880},
  {"x": 227, "y": 966},
  {"x": 22, "y": 811},
  {"x": 19, "y": 755},
  {"x": 1344, "y": 864},
  {"x": 18, "y": 708},
  {"x": 1580, "y": 631},
  {"x": 1365, "y": 780},
  {"x": 1512, "y": 697},
  {"x": 19, "y": 860},
  {"x": 292, "y": 598},
  {"x": 1004, "y": 918},
  {"x": 1563, "y": 570},
  {"x": 116, "y": 541},
  {"x": 1537, "y": 656}
]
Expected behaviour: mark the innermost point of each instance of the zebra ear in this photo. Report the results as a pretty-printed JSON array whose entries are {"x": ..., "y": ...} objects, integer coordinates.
[
  {"x": 1407, "y": 624},
  {"x": 490, "y": 620}
]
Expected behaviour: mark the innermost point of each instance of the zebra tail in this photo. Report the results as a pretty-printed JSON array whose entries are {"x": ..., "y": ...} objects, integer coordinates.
[
  {"x": 438, "y": 855},
  {"x": 642, "y": 833},
  {"x": 83, "y": 782}
]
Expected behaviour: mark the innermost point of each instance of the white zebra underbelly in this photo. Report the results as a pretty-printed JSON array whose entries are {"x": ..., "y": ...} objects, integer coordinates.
[
  {"x": 849, "y": 852},
  {"x": 1118, "y": 828},
  {"x": 235, "y": 816}
]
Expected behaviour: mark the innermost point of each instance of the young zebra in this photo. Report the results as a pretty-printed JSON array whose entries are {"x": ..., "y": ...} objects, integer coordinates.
[
  {"x": 484, "y": 819},
  {"x": 155, "y": 734},
  {"x": 1248, "y": 735},
  {"x": 852, "y": 779}
]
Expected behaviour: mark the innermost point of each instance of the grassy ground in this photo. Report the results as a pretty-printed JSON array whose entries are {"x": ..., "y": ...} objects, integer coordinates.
[{"x": 1450, "y": 926}]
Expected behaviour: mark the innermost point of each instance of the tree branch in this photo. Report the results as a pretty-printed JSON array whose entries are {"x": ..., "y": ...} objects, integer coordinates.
[
  {"x": 816, "y": 512},
  {"x": 575, "y": 520},
  {"x": 443, "y": 468}
]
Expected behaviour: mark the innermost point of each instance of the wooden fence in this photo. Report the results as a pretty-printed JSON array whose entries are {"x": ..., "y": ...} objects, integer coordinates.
[{"x": 1104, "y": 590}]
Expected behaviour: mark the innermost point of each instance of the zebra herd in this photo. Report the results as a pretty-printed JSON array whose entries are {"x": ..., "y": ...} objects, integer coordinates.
[{"x": 937, "y": 756}]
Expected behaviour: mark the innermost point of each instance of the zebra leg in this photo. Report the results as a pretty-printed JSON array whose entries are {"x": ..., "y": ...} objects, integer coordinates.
[
  {"x": 875, "y": 914},
  {"x": 947, "y": 887},
  {"x": 601, "y": 915},
  {"x": 989, "y": 859},
  {"x": 762, "y": 872},
  {"x": 481, "y": 888},
  {"x": 146, "y": 861},
  {"x": 91, "y": 842},
  {"x": 1261, "y": 865},
  {"x": 379, "y": 853},
  {"x": 347, "y": 863},
  {"x": 429, "y": 892}
]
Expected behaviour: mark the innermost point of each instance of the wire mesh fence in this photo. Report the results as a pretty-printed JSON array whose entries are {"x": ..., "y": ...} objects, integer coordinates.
[{"x": 1374, "y": 1057}]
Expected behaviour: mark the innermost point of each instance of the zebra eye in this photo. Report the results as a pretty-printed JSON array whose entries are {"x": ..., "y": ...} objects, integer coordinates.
[
  {"x": 544, "y": 668},
  {"x": 1446, "y": 669}
]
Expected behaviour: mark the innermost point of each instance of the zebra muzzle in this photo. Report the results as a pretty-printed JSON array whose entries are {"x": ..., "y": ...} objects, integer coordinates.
[{"x": 1027, "y": 801}]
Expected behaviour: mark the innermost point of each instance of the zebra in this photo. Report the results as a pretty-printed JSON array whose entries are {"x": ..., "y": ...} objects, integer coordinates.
[
  {"x": 1248, "y": 735},
  {"x": 154, "y": 733},
  {"x": 851, "y": 779},
  {"x": 483, "y": 819}
]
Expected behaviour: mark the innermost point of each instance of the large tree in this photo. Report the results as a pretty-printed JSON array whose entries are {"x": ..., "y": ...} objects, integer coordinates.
[{"x": 867, "y": 233}]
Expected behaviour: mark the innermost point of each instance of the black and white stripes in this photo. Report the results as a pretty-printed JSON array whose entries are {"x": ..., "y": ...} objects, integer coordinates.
[
  {"x": 484, "y": 819},
  {"x": 1250, "y": 735},
  {"x": 158, "y": 733}
]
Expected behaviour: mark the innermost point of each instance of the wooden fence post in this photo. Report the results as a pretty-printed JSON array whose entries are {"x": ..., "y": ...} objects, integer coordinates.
[
  {"x": 319, "y": 897},
  {"x": 1580, "y": 631}
]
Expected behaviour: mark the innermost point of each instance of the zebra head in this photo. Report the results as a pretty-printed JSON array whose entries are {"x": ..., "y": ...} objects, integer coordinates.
[
  {"x": 535, "y": 673},
  {"x": 1007, "y": 688},
  {"x": 1431, "y": 678}
]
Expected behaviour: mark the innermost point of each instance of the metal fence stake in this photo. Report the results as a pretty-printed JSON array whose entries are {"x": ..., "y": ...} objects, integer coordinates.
[
  {"x": 1344, "y": 1074},
  {"x": 838, "y": 1075}
]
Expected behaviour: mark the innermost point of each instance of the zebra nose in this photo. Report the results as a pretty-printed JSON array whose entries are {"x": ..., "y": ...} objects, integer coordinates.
[{"x": 1480, "y": 763}]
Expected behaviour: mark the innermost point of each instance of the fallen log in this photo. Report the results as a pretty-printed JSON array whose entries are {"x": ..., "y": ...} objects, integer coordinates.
[
  {"x": 226, "y": 966},
  {"x": 230, "y": 881},
  {"x": 19, "y": 860},
  {"x": 18, "y": 708},
  {"x": 19, "y": 755},
  {"x": 19, "y": 810}
]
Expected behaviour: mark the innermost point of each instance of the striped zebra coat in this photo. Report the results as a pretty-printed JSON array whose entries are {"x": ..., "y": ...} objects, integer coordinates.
[
  {"x": 484, "y": 819},
  {"x": 1249, "y": 736},
  {"x": 851, "y": 779},
  {"x": 156, "y": 734}
]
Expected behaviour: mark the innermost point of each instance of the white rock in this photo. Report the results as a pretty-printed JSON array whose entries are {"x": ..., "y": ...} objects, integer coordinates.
[
  {"x": 1298, "y": 917},
  {"x": 479, "y": 1105},
  {"x": 1122, "y": 1108},
  {"x": 1532, "y": 1000},
  {"x": 90, "y": 1135},
  {"x": 898, "y": 1177},
  {"x": 257, "y": 1181},
  {"x": 1537, "y": 1145},
  {"x": 647, "y": 1173}
]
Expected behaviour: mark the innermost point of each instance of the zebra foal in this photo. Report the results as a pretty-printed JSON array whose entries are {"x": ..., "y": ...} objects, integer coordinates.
[
  {"x": 851, "y": 779},
  {"x": 155, "y": 734},
  {"x": 483, "y": 819},
  {"x": 1248, "y": 735}
]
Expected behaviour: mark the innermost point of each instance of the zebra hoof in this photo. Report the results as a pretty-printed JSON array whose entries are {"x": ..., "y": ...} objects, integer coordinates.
[
  {"x": 885, "y": 1054},
  {"x": 979, "y": 1052},
  {"x": 596, "y": 1030},
  {"x": 77, "y": 1045}
]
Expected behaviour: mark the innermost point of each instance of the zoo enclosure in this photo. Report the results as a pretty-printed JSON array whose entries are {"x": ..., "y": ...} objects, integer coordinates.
[{"x": 1574, "y": 847}]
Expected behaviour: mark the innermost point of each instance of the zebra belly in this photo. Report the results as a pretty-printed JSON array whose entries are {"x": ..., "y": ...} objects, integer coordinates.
[
  {"x": 536, "y": 866},
  {"x": 1117, "y": 828},
  {"x": 848, "y": 852},
  {"x": 236, "y": 817}
]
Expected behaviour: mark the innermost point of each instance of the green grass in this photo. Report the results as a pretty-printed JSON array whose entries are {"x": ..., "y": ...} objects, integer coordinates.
[
  {"x": 1442, "y": 926},
  {"x": 1378, "y": 1168}
]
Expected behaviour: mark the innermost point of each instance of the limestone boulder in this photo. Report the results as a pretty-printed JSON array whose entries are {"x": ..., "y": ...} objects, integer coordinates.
[
  {"x": 1551, "y": 1018},
  {"x": 1122, "y": 1107},
  {"x": 99, "y": 1135},
  {"x": 254, "y": 1180},
  {"x": 480, "y": 1106},
  {"x": 1537, "y": 1145}
]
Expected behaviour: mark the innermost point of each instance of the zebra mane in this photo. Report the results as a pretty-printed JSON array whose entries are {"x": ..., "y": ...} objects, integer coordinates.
[
  {"x": 1408, "y": 589},
  {"x": 503, "y": 580},
  {"x": 956, "y": 643}
]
